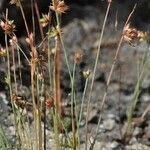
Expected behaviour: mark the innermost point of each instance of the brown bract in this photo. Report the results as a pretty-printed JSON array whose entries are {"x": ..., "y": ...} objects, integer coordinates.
[
  {"x": 130, "y": 34},
  {"x": 29, "y": 39},
  {"x": 59, "y": 6},
  {"x": 77, "y": 58},
  {"x": 45, "y": 20},
  {"x": 49, "y": 102}
]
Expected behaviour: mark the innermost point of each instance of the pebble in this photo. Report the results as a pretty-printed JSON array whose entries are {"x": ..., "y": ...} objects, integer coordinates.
[
  {"x": 111, "y": 116},
  {"x": 137, "y": 146},
  {"x": 145, "y": 97},
  {"x": 11, "y": 130},
  {"x": 114, "y": 144},
  {"x": 133, "y": 141},
  {"x": 137, "y": 131},
  {"x": 146, "y": 83},
  {"x": 109, "y": 124},
  {"x": 147, "y": 132}
]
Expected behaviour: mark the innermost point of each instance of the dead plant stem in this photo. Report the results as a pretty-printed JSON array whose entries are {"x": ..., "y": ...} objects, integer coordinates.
[{"x": 24, "y": 18}]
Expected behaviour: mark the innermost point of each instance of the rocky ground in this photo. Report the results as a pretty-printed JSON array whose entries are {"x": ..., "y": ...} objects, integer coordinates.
[{"x": 81, "y": 31}]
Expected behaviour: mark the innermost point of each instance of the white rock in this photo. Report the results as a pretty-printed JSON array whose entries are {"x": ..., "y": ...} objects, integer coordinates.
[
  {"x": 114, "y": 145},
  {"x": 109, "y": 124},
  {"x": 137, "y": 146},
  {"x": 137, "y": 131},
  {"x": 145, "y": 97}
]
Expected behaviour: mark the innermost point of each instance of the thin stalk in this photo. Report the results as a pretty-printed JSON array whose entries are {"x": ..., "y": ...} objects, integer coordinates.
[
  {"x": 24, "y": 18},
  {"x": 56, "y": 115},
  {"x": 24, "y": 134},
  {"x": 50, "y": 65},
  {"x": 72, "y": 106},
  {"x": 57, "y": 75},
  {"x": 33, "y": 17},
  {"x": 56, "y": 136},
  {"x": 82, "y": 101},
  {"x": 44, "y": 112},
  {"x": 19, "y": 62},
  {"x": 4, "y": 144},
  {"x": 95, "y": 67},
  {"x": 63, "y": 45},
  {"x": 36, "y": 111},
  {"x": 14, "y": 68},
  {"x": 109, "y": 79},
  {"x": 19, "y": 48},
  {"x": 50, "y": 68},
  {"x": 134, "y": 100},
  {"x": 81, "y": 110},
  {"x": 9, "y": 82},
  {"x": 38, "y": 16}
]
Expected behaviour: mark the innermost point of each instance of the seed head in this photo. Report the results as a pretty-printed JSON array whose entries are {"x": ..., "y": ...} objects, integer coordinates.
[
  {"x": 130, "y": 34},
  {"x": 59, "y": 6},
  {"x": 45, "y": 20},
  {"x": 20, "y": 101},
  {"x": 143, "y": 36},
  {"x": 50, "y": 102},
  {"x": 8, "y": 26},
  {"x": 86, "y": 74},
  {"x": 77, "y": 57},
  {"x": 2, "y": 51}
]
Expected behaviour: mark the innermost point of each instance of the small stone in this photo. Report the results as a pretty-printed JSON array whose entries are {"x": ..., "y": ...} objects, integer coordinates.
[
  {"x": 92, "y": 115},
  {"x": 128, "y": 98},
  {"x": 82, "y": 123},
  {"x": 133, "y": 141},
  {"x": 147, "y": 132},
  {"x": 146, "y": 83},
  {"x": 114, "y": 144},
  {"x": 101, "y": 126},
  {"x": 138, "y": 146},
  {"x": 111, "y": 116},
  {"x": 137, "y": 131},
  {"x": 12, "y": 130},
  {"x": 109, "y": 124},
  {"x": 145, "y": 97}
]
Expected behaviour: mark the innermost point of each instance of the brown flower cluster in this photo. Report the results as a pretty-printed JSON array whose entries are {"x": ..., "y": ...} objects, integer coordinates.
[
  {"x": 59, "y": 6},
  {"x": 131, "y": 35},
  {"x": 20, "y": 101},
  {"x": 8, "y": 26},
  {"x": 77, "y": 58},
  {"x": 50, "y": 102}
]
